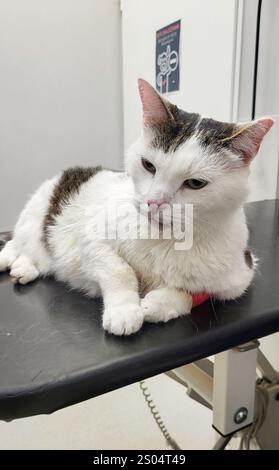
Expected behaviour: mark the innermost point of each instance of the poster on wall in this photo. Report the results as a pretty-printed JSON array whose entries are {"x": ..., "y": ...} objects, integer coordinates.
[{"x": 167, "y": 58}]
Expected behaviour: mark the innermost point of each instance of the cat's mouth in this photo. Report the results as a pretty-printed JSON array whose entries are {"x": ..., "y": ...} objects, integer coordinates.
[
  {"x": 164, "y": 216},
  {"x": 159, "y": 219}
]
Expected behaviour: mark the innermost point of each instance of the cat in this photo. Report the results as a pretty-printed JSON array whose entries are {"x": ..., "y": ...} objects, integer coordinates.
[{"x": 180, "y": 158}]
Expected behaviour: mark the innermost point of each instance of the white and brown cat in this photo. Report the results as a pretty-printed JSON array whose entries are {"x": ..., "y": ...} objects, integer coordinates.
[{"x": 180, "y": 158}]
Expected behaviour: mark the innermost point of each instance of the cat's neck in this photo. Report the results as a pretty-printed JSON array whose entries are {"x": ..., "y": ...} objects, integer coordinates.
[{"x": 209, "y": 226}]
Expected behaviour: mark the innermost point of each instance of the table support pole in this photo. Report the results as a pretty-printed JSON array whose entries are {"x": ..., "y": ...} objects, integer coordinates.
[{"x": 234, "y": 388}]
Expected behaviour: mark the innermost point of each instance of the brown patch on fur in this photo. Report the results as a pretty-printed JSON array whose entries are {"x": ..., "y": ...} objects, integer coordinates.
[
  {"x": 216, "y": 134},
  {"x": 68, "y": 185},
  {"x": 175, "y": 130},
  {"x": 179, "y": 126},
  {"x": 248, "y": 258}
]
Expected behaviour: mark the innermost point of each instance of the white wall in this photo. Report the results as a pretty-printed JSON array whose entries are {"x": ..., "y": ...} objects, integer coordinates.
[{"x": 60, "y": 92}]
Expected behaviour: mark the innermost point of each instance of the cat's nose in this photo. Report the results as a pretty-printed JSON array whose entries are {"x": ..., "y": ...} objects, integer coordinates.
[{"x": 156, "y": 203}]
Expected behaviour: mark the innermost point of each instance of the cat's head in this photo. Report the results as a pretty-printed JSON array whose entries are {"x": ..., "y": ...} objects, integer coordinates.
[{"x": 183, "y": 158}]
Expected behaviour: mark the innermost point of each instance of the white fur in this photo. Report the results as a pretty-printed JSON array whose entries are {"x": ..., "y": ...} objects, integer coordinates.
[{"x": 215, "y": 264}]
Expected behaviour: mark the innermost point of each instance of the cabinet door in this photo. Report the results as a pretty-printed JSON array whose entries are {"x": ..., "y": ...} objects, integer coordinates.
[{"x": 264, "y": 169}]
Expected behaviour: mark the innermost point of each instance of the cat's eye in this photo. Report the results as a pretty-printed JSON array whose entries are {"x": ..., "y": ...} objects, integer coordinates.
[
  {"x": 194, "y": 184},
  {"x": 148, "y": 166}
]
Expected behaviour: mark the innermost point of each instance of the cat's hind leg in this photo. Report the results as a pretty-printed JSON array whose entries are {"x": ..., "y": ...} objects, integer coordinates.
[
  {"x": 8, "y": 256},
  {"x": 23, "y": 270}
]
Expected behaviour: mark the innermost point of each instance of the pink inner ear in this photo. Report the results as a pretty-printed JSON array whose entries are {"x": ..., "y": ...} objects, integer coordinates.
[
  {"x": 248, "y": 142},
  {"x": 260, "y": 129},
  {"x": 154, "y": 111}
]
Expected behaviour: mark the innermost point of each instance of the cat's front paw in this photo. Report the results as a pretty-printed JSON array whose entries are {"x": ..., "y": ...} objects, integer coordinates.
[
  {"x": 161, "y": 306},
  {"x": 123, "y": 320},
  {"x": 155, "y": 311}
]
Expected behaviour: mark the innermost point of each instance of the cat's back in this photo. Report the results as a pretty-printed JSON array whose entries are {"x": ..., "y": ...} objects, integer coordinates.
[
  {"x": 76, "y": 213},
  {"x": 80, "y": 196},
  {"x": 78, "y": 188}
]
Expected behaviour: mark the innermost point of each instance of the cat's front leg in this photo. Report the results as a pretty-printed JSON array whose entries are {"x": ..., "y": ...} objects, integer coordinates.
[
  {"x": 165, "y": 303},
  {"x": 123, "y": 314}
]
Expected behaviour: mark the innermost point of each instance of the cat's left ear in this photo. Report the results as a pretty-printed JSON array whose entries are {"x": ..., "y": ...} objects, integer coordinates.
[
  {"x": 154, "y": 107},
  {"x": 247, "y": 139}
]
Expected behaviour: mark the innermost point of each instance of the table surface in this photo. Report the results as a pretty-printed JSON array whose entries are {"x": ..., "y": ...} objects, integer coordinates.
[{"x": 54, "y": 353}]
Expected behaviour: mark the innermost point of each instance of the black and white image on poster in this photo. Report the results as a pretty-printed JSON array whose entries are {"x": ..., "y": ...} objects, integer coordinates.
[{"x": 167, "y": 58}]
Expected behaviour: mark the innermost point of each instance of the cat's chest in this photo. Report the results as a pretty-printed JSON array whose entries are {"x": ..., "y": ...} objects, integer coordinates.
[{"x": 161, "y": 264}]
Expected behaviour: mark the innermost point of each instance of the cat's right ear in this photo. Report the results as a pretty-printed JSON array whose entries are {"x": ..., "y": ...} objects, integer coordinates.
[
  {"x": 155, "y": 111},
  {"x": 247, "y": 140}
]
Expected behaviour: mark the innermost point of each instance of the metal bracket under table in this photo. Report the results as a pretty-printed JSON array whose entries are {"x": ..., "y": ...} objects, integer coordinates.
[{"x": 242, "y": 389}]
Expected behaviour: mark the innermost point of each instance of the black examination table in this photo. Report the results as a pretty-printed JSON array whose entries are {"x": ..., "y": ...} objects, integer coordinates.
[{"x": 54, "y": 353}]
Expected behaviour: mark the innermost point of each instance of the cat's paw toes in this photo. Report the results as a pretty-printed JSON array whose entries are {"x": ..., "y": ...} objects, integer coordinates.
[
  {"x": 23, "y": 274},
  {"x": 154, "y": 312},
  {"x": 156, "y": 308},
  {"x": 123, "y": 320}
]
